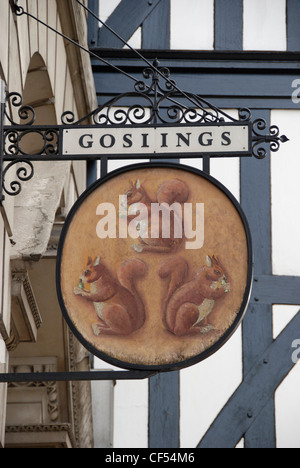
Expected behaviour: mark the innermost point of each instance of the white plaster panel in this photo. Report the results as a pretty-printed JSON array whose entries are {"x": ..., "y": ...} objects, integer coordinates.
[
  {"x": 206, "y": 387},
  {"x": 192, "y": 24},
  {"x": 265, "y": 25},
  {"x": 285, "y": 167}
]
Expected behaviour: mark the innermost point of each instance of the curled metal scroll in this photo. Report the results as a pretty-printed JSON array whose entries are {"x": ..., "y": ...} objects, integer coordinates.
[
  {"x": 15, "y": 139},
  {"x": 24, "y": 173},
  {"x": 158, "y": 102},
  {"x": 261, "y": 138},
  {"x": 26, "y": 113}
]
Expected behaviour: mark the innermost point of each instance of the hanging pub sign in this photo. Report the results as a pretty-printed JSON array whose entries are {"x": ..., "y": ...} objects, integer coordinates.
[{"x": 154, "y": 267}]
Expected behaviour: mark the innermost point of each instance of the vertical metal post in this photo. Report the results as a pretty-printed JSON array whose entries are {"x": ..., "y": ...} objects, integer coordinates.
[
  {"x": 103, "y": 167},
  {"x": 91, "y": 172},
  {"x": 206, "y": 165}
]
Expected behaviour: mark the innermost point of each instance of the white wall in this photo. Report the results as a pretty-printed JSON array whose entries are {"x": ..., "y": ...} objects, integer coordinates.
[
  {"x": 192, "y": 24},
  {"x": 264, "y": 24},
  {"x": 285, "y": 169},
  {"x": 206, "y": 387},
  {"x": 130, "y": 422}
]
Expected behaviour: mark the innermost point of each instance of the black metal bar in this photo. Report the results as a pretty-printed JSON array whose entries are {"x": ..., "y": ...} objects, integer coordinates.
[
  {"x": 104, "y": 166},
  {"x": 19, "y": 11},
  {"x": 206, "y": 164},
  {"x": 91, "y": 170},
  {"x": 99, "y": 157},
  {"x": 75, "y": 376}
]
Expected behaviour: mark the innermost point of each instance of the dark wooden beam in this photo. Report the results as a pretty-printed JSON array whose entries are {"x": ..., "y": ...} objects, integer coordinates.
[
  {"x": 293, "y": 21},
  {"x": 257, "y": 324},
  {"x": 157, "y": 27},
  {"x": 125, "y": 20},
  {"x": 276, "y": 290},
  {"x": 243, "y": 410},
  {"x": 164, "y": 411},
  {"x": 229, "y": 25}
]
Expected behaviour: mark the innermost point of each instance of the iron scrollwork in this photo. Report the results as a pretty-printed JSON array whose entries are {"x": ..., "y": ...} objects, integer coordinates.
[
  {"x": 26, "y": 113},
  {"x": 157, "y": 104},
  {"x": 47, "y": 141},
  {"x": 156, "y": 100},
  {"x": 15, "y": 143},
  {"x": 261, "y": 139},
  {"x": 163, "y": 104},
  {"x": 24, "y": 173},
  {"x": 25, "y": 169}
]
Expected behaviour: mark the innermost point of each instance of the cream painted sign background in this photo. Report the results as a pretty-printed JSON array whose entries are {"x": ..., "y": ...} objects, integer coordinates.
[{"x": 182, "y": 139}]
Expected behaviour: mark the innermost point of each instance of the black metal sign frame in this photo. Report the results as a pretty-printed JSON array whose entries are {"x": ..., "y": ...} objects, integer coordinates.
[
  {"x": 156, "y": 105},
  {"x": 248, "y": 284}
]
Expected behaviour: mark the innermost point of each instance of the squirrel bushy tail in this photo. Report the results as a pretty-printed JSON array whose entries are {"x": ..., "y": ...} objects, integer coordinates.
[
  {"x": 171, "y": 191},
  {"x": 127, "y": 273},
  {"x": 176, "y": 269}
]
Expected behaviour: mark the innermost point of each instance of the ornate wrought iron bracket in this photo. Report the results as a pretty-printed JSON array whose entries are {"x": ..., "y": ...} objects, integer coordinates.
[{"x": 155, "y": 104}]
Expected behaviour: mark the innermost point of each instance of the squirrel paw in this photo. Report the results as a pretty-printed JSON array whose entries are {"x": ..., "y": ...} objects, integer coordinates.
[
  {"x": 207, "y": 328},
  {"x": 138, "y": 248},
  {"x": 96, "y": 329},
  {"x": 77, "y": 291}
]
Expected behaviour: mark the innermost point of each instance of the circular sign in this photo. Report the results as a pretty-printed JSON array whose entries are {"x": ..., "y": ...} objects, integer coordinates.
[{"x": 154, "y": 267}]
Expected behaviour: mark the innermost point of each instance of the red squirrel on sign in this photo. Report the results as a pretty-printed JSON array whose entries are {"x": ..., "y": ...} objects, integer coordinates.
[
  {"x": 119, "y": 308},
  {"x": 170, "y": 192},
  {"x": 187, "y": 306}
]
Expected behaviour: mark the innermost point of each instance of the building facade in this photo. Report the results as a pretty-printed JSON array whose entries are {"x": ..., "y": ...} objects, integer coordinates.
[
  {"x": 235, "y": 54},
  {"x": 51, "y": 76}
]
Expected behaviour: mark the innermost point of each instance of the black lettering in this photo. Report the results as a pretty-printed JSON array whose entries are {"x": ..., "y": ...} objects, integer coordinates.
[
  {"x": 107, "y": 141},
  {"x": 208, "y": 141},
  {"x": 164, "y": 140},
  {"x": 185, "y": 140},
  {"x": 86, "y": 143},
  {"x": 226, "y": 138},
  {"x": 127, "y": 140},
  {"x": 145, "y": 140}
]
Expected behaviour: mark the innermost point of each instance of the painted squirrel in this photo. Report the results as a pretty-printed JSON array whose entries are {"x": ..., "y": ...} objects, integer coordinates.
[
  {"x": 188, "y": 304},
  {"x": 119, "y": 308},
  {"x": 169, "y": 192}
]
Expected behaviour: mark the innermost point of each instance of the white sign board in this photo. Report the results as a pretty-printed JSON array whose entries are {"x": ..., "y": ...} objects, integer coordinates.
[{"x": 214, "y": 140}]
